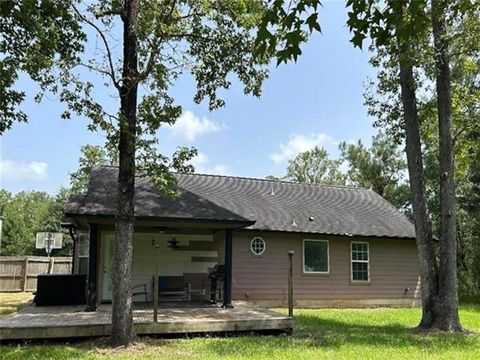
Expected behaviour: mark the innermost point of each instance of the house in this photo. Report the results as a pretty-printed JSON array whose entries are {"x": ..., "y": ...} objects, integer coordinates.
[{"x": 351, "y": 247}]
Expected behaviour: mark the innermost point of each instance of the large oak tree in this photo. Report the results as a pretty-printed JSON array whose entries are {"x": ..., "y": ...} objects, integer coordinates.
[
  {"x": 136, "y": 51},
  {"x": 412, "y": 35},
  {"x": 403, "y": 29}
]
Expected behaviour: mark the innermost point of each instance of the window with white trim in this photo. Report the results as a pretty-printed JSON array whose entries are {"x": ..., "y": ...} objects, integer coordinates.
[
  {"x": 257, "y": 246},
  {"x": 360, "y": 261},
  {"x": 315, "y": 256}
]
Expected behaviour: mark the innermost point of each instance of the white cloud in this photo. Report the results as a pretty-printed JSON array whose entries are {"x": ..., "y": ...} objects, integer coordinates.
[
  {"x": 18, "y": 171},
  {"x": 301, "y": 143},
  {"x": 189, "y": 126},
  {"x": 220, "y": 169},
  {"x": 202, "y": 165},
  {"x": 199, "y": 160}
]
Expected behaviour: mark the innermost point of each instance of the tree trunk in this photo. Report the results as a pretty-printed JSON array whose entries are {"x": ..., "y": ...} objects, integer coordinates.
[
  {"x": 447, "y": 275},
  {"x": 423, "y": 227},
  {"x": 122, "y": 317}
]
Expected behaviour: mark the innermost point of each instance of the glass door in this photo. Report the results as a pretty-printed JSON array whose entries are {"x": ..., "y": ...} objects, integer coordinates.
[{"x": 107, "y": 267}]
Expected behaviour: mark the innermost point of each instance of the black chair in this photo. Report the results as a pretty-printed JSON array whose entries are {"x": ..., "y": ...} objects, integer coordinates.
[{"x": 172, "y": 288}]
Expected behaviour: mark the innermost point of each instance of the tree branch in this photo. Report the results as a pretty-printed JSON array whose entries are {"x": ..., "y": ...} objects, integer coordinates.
[
  {"x": 107, "y": 47},
  {"x": 460, "y": 132},
  {"x": 110, "y": 13},
  {"x": 466, "y": 51},
  {"x": 187, "y": 35},
  {"x": 174, "y": 4},
  {"x": 93, "y": 68},
  {"x": 155, "y": 47}
]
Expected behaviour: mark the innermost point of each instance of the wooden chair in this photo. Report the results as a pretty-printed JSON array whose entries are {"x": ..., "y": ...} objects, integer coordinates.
[{"x": 172, "y": 288}]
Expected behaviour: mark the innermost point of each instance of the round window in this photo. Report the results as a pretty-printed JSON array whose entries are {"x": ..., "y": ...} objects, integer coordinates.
[{"x": 257, "y": 246}]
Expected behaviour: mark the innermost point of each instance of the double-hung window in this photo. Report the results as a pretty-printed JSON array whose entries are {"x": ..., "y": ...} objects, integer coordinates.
[
  {"x": 360, "y": 257},
  {"x": 315, "y": 256}
]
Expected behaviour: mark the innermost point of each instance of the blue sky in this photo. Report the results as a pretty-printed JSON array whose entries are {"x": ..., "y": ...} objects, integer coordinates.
[{"x": 317, "y": 101}]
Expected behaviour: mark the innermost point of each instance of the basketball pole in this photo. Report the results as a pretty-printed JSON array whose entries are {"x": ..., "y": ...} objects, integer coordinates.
[{"x": 48, "y": 245}]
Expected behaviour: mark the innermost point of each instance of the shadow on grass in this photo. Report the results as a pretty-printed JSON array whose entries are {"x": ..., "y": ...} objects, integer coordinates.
[
  {"x": 313, "y": 331},
  {"x": 336, "y": 333}
]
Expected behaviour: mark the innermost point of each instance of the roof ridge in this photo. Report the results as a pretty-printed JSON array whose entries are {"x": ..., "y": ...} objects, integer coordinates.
[
  {"x": 279, "y": 181},
  {"x": 257, "y": 179}
]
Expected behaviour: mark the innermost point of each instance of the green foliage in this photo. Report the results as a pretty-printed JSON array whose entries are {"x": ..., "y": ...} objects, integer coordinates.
[
  {"x": 273, "y": 178},
  {"x": 27, "y": 213},
  {"x": 16, "y": 239},
  {"x": 468, "y": 219},
  {"x": 383, "y": 100},
  {"x": 90, "y": 156},
  {"x": 33, "y": 35},
  {"x": 284, "y": 26},
  {"x": 315, "y": 167},
  {"x": 211, "y": 40},
  {"x": 386, "y": 22},
  {"x": 381, "y": 168}
]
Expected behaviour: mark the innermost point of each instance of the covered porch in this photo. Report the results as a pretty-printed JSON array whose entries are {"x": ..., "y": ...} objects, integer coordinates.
[
  {"x": 191, "y": 262},
  {"x": 183, "y": 237},
  {"x": 54, "y": 322}
]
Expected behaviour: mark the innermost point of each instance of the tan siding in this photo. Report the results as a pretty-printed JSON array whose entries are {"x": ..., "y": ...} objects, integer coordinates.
[{"x": 393, "y": 268}]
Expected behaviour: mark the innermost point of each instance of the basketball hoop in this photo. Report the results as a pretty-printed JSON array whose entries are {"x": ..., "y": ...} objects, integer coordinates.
[{"x": 49, "y": 241}]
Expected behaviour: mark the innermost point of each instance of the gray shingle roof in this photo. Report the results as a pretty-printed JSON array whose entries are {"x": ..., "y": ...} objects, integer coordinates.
[{"x": 272, "y": 205}]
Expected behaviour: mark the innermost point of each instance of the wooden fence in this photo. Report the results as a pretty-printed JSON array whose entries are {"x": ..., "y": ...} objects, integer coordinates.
[{"x": 19, "y": 273}]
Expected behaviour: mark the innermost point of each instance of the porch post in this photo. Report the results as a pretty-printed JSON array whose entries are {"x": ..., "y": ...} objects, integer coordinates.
[
  {"x": 76, "y": 249},
  {"x": 92, "y": 268},
  {"x": 227, "y": 293}
]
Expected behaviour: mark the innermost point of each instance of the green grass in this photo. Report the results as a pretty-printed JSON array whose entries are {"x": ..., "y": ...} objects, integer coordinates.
[
  {"x": 319, "y": 334},
  {"x": 12, "y": 302}
]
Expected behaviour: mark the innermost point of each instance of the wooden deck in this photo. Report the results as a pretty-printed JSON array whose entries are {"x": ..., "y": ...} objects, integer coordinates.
[{"x": 53, "y": 322}]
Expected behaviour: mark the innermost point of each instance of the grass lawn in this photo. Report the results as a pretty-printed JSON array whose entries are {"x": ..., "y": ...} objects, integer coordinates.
[
  {"x": 319, "y": 334},
  {"x": 12, "y": 302}
]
